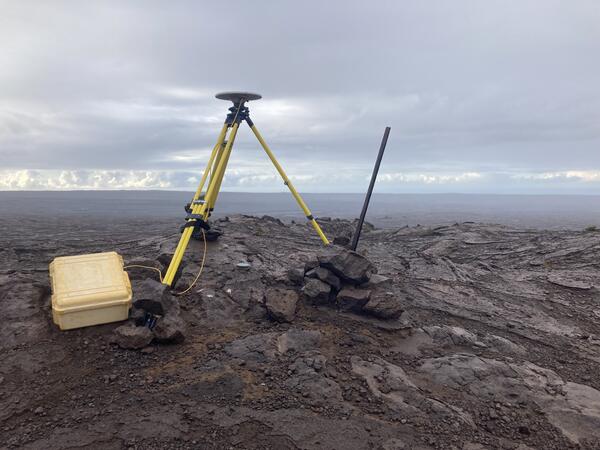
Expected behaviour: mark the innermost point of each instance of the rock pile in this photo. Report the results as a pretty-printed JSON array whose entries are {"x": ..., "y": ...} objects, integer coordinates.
[
  {"x": 151, "y": 299},
  {"x": 349, "y": 281}
]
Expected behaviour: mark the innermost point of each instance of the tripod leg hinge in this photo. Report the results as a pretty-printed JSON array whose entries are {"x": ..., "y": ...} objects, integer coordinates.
[{"x": 310, "y": 217}]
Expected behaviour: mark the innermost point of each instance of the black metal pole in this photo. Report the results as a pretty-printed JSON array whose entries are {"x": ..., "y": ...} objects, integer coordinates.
[{"x": 363, "y": 213}]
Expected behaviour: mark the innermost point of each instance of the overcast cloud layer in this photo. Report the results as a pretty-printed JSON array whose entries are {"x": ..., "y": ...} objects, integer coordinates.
[{"x": 482, "y": 96}]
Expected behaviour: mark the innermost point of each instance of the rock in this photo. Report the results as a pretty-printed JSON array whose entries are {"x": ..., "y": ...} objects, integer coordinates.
[
  {"x": 326, "y": 276},
  {"x": 296, "y": 276},
  {"x": 378, "y": 281},
  {"x": 131, "y": 337},
  {"x": 257, "y": 348},
  {"x": 348, "y": 265},
  {"x": 570, "y": 279},
  {"x": 210, "y": 235},
  {"x": 39, "y": 410},
  {"x": 316, "y": 389},
  {"x": 574, "y": 409},
  {"x": 298, "y": 340},
  {"x": 316, "y": 290},
  {"x": 311, "y": 264},
  {"x": 154, "y": 297},
  {"x": 281, "y": 304},
  {"x": 391, "y": 383},
  {"x": 169, "y": 330},
  {"x": 352, "y": 299},
  {"x": 137, "y": 315},
  {"x": 384, "y": 305},
  {"x": 342, "y": 241},
  {"x": 272, "y": 219}
]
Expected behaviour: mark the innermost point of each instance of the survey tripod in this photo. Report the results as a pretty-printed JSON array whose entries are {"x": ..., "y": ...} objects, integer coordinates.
[{"x": 204, "y": 201}]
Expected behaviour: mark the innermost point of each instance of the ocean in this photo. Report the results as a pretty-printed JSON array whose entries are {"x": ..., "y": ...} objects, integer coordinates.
[{"x": 386, "y": 210}]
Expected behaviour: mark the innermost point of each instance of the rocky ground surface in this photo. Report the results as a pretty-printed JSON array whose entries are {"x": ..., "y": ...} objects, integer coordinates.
[{"x": 468, "y": 336}]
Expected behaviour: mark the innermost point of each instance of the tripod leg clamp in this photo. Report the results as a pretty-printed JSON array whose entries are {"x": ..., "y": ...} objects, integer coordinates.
[{"x": 195, "y": 220}]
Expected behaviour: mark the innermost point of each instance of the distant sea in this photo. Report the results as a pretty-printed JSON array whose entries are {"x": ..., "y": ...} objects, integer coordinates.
[{"x": 386, "y": 210}]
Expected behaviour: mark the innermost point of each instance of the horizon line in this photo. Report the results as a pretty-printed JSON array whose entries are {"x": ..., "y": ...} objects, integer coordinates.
[{"x": 521, "y": 194}]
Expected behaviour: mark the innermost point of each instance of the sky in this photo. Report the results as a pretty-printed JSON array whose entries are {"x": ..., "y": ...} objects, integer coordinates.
[{"x": 482, "y": 96}]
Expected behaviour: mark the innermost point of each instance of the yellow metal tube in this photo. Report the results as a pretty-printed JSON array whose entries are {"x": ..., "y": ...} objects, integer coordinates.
[
  {"x": 199, "y": 209},
  {"x": 214, "y": 153},
  {"x": 213, "y": 192},
  {"x": 290, "y": 186},
  {"x": 198, "y": 192},
  {"x": 213, "y": 200}
]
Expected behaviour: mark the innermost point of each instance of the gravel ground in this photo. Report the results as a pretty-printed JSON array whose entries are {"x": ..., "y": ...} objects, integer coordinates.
[{"x": 498, "y": 345}]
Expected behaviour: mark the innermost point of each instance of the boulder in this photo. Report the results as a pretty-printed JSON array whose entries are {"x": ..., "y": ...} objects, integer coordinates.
[
  {"x": 316, "y": 290},
  {"x": 132, "y": 337},
  {"x": 154, "y": 297},
  {"x": 311, "y": 264},
  {"x": 281, "y": 304},
  {"x": 348, "y": 265},
  {"x": 352, "y": 298},
  {"x": 296, "y": 276},
  {"x": 325, "y": 275},
  {"x": 169, "y": 330},
  {"x": 384, "y": 305}
]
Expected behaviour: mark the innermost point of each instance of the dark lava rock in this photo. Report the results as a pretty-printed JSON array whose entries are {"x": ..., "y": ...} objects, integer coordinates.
[
  {"x": 310, "y": 264},
  {"x": 316, "y": 290},
  {"x": 296, "y": 276},
  {"x": 132, "y": 337},
  {"x": 325, "y": 275},
  {"x": 342, "y": 241},
  {"x": 210, "y": 235},
  {"x": 154, "y": 297},
  {"x": 169, "y": 330},
  {"x": 348, "y": 265},
  {"x": 137, "y": 315},
  {"x": 353, "y": 299},
  {"x": 281, "y": 304},
  {"x": 384, "y": 305}
]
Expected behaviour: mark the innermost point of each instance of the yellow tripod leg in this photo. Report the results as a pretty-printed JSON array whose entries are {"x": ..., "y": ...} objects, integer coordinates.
[
  {"x": 212, "y": 201},
  {"x": 214, "y": 175},
  {"x": 197, "y": 194},
  {"x": 213, "y": 155},
  {"x": 200, "y": 210},
  {"x": 290, "y": 186}
]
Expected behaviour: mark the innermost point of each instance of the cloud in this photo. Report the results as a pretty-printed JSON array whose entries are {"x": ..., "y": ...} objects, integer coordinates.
[
  {"x": 499, "y": 90},
  {"x": 587, "y": 176},
  {"x": 429, "y": 178}
]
